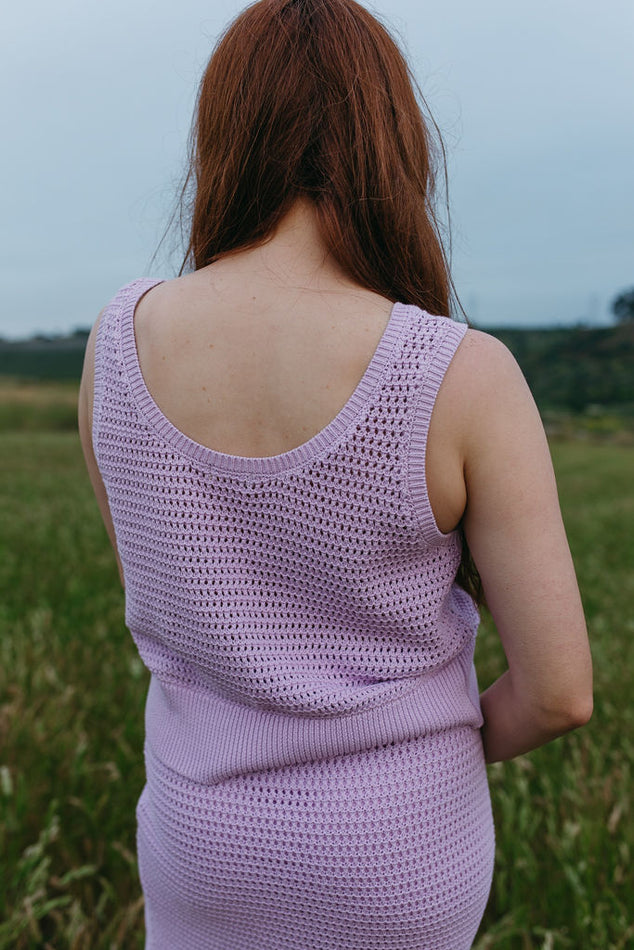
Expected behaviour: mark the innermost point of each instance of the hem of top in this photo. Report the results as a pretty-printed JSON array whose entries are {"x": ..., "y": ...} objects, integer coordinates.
[
  {"x": 208, "y": 739},
  {"x": 251, "y": 465},
  {"x": 417, "y": 478}
]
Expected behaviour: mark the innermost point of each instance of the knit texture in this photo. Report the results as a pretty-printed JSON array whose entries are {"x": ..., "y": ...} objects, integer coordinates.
[{"x": 308, "y": 644}]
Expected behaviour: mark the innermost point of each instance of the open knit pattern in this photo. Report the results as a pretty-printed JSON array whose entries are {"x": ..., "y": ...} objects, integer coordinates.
[{"x": 315, "y": 773}]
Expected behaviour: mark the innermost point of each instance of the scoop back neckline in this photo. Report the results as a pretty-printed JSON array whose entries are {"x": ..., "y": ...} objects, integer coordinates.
[{"x": 248, "y": 464}]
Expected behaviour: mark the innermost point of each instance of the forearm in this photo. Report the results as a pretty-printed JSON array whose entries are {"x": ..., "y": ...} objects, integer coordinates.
[{"x": 512, "y": 726}]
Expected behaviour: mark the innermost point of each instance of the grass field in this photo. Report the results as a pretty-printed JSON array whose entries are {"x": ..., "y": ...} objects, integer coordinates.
[{"x": 72, "y": 692}]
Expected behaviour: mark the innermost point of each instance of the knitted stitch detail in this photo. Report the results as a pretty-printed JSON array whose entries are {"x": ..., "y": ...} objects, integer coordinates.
[
  {"x": 297, "y": 605},
  {"x": 315, "y": 777}
]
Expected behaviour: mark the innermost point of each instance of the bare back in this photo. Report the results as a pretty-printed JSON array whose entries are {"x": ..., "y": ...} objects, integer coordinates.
[{"x": 247, "y": 369}]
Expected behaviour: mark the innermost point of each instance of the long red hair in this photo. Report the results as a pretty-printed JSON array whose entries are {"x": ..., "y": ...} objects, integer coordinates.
[{"x": 313, "y": 98}]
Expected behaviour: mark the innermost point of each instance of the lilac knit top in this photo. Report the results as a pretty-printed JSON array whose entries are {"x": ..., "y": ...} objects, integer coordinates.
[
  {"x": 315, "y": 774},
  {"x": 297, "y": 606}
]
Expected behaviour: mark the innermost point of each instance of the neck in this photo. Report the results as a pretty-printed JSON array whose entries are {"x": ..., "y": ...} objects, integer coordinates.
[{"x": 295, "y": 255}]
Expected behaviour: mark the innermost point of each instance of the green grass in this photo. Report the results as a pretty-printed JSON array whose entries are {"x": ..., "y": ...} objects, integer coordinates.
[
  {"x": 71, "y": 710},
  {"x": 72, "y": 692},
  {"x": 35, "y": 405},
  {"x": 563, "y": 813}
]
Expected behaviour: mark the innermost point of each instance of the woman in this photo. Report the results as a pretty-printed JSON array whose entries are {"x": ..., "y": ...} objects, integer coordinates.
[{"x": 301, "y": 459}]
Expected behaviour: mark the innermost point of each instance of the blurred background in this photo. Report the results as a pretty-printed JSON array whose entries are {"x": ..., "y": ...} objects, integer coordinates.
[
  {"x": 535, "y": 106},
  {"x": 534, "y": 102}
]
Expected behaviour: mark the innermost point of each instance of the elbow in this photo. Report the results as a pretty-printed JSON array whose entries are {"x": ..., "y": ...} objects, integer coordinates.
[
  {"x": 569, "y": 715},
  {"x": 566, "y": 703},
  {"x": 581, "y": 712},
  {"x": 581, "y": 705}
]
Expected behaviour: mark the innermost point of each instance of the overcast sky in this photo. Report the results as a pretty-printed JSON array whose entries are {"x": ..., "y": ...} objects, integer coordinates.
[{"x": 535, "y": 101}]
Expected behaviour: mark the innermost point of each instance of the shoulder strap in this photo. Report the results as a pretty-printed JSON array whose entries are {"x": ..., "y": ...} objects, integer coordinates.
[
  {"x": 437, "y": 362},
  {"x": 108, "y": 357}
]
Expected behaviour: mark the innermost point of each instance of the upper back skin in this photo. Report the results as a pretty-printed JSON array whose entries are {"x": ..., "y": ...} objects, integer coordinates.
[{"x": 248, "y": 368}]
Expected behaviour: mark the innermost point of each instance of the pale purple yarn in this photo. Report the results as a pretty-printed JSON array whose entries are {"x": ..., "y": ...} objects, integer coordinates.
[{"x": 315, "y": 771}]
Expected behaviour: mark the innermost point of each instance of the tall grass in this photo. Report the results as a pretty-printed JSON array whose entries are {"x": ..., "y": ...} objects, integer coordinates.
[
  {"x": 31, "y": 405},
  {"x": 72, "y": 692}
]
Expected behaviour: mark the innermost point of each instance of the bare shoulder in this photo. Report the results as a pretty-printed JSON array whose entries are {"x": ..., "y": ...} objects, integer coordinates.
[
  {"x": 158, "y": 299},
  {"x": 481, "y": 364},
  {"x": 483, "y": 392},
  {"x": 164, "y": 310},
  {"x": 483, "y": 361}
]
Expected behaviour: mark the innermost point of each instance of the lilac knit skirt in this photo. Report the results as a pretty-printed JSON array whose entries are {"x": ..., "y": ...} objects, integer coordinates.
[{"x": 387, "y": 849}]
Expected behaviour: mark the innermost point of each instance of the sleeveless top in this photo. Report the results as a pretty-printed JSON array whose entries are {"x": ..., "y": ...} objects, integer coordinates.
[{"x": 294, "y": 607}]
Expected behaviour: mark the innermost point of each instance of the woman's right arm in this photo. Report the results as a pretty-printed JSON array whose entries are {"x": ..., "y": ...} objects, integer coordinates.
[{"x": 516, "y": 535}]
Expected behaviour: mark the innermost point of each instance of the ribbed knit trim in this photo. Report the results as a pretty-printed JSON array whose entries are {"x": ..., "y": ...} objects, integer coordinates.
[
  {"x": 437, "y": 367},
  {"x": 238, "y": 464},
  {"x": 97, "y": 385},
  {"x": 105, "y": 318},
  {"x": 208, "y": 738}
]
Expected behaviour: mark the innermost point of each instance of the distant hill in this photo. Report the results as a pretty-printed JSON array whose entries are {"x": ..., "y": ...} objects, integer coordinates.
[
  {"x": 570, "y": 369},
  {"x": 576, "y": 368},
  {"x": 44, "y": 357}
]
